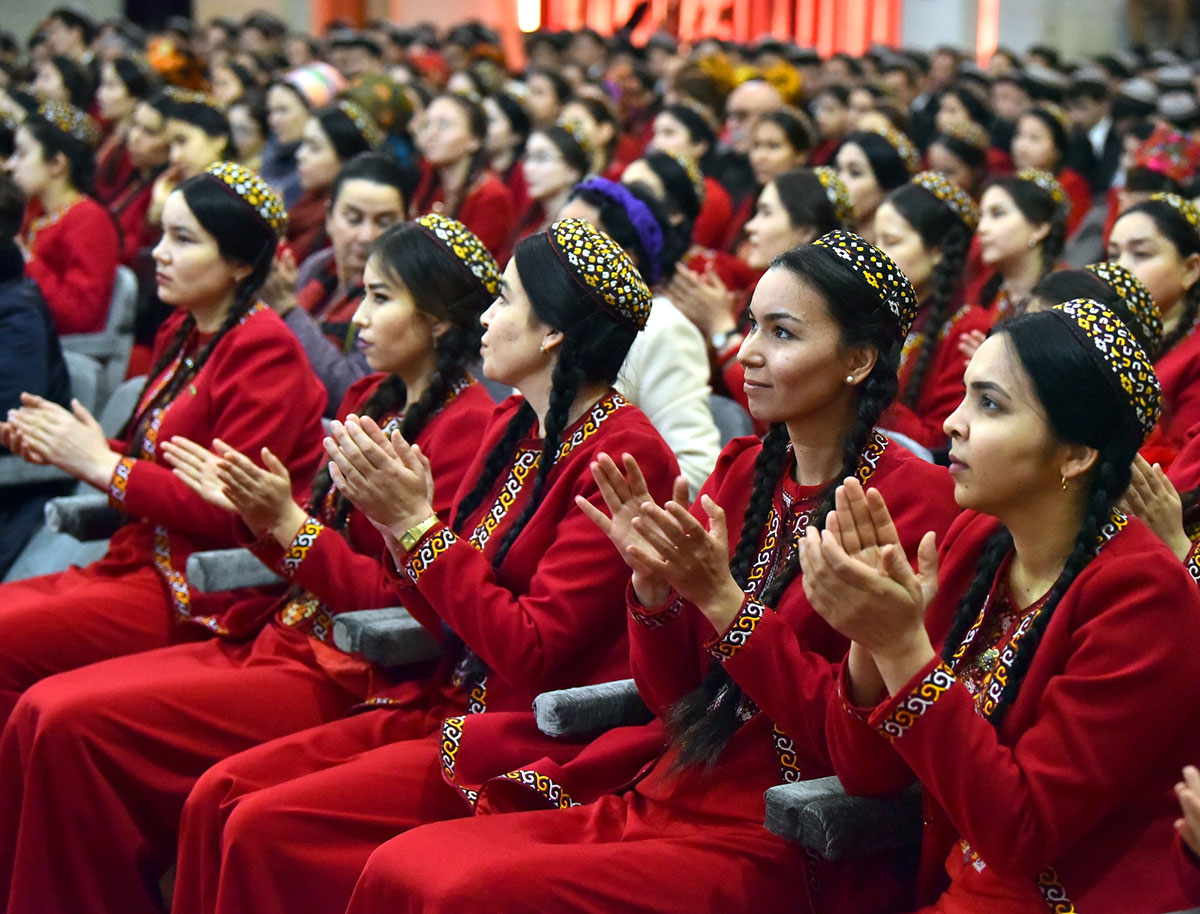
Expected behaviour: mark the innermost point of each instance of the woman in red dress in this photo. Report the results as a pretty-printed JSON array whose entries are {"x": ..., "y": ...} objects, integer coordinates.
[
  {"x": 519, "y": 577},
  {"x": 725, "y": 647},
  {"x": 1067, "y": 740},
  {"x": 123, "y": 85},
  {"x": 1040, "y": 141},
  {"x": 147, "y": 145},
  {"x": 554, "y": 161},
  {"x": 223, "y": 365},
  {"x": 153, "y": 722},
  {"x": 686, "y": 129},
  {"x": 873, "y": 163}
]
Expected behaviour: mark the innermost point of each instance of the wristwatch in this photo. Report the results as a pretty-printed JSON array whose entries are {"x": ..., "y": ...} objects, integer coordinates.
[
  {"x": 720, "y": 340},
  {"x": 413, "y": 534}
]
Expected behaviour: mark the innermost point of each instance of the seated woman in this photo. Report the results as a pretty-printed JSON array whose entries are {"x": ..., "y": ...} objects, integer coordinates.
[
  {"x": 1070, "y": 743},
  {"x": 184, "y": 707},
  {"x": 1041, "y": 141},
  {"x": 725, "y": 647},
  {"x": 69, "y": 241},
  {"x": 831, "y": 112},
  {"x": 780, "y": 141},
  {"x": 686, "y": 128},
  {"x": 926, "y": 227},
  {"x": 872, "y": 164},
  {"x": 124, "y": 83},
  {"x": 198, "y": 135},
  {"x": 960, "y": 153},
  {"x": 61, "y": 79},
  {"x": 290, "y": 101},
  {"x": 455, "y": 178},
  {"x": 519, "y": 578},
  {"x": 508, "y": 129},
  {"x": 555, "y": 160},
  {"x": 147, "y": 146},
  {"x": 332, "y": 137},
  {"x": 224, "y": 367},
  {"x": 248, "y": 128}
]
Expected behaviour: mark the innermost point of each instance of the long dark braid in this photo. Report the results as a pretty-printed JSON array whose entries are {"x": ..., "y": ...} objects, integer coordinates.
[
  {"x": 703, "y": 721},
  {"x": 498, "y": 460}
]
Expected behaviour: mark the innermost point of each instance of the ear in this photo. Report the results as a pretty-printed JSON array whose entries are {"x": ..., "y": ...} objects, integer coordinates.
[
  {"x": 860, "y": 362},
  {"x": 1040, "y": 231},
  {"x": 58, "y": 166},
  {"x": 551, "y": 340},
  {"x": 1191, "y": 270},
  {"x": 240, "y": 272},
  {"x": 438, "y": 328},
  {"x": 1075, "y": 460}
]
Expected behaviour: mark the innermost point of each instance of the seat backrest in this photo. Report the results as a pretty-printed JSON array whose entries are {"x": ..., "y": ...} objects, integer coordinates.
[
  {"x": 119, "y": 406},
  {"x": 122, "y": 309},
  {"x": 85, "y": 375},
  {"x": 731, "y": 420}
]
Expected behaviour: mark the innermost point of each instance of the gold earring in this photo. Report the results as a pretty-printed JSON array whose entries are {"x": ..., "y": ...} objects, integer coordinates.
[
  {"x": 542, "y": 347},
  {"x": 1064, "y": 483}
]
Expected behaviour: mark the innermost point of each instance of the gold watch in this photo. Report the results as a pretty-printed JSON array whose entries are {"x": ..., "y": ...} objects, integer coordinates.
[{"x": 413, "y": 534}]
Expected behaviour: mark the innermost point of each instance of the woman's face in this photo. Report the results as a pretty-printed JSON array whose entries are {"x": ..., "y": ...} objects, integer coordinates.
[
  {"x": 638, "y": 172},
  {"x": 770, "y": 232},
  {"x": 247, "y": 134},
  {"x": 546, "y": 172},
  {"x": 794, "y": 361},
  {"x": 112, "y": 94},
  {"x": 771, "y": 154},
  {"x": 1005, "y": 236},
  {"x": 861, "y": 101},
  {"x": 599, "y": 134},
  {"x": 670, "y": 135},
  {"x": 317, "y": 162},
  {"x": 49, "y": 83},
  {"x": 856, "y": 173},
  {"x": 147, "y": 142},
  {"x": 444, "y": 136},
  {"x": 1033, "y": 145},
  {"x": 513, "y": 337},
  {"x": 286, "y": 115},
  {"x": 191, "y": 149},
  {"x": 544, "y": 107},
  {"x": 896, "y": 237},
  {"x": 1137, "y": 244},
  {"x": 1003, "y": 453},
  {"x": 393, "y": 333},
  {"x": 190, "y": 272},
  {"x": 501, "y": 138},
  {"x": 832, "y": 117},
  {"x": 943, "y": 160},
  {"x": 28, "y": 165},
  {"x": 951, "y": 110},
  {"x": 226, "y": 87}
]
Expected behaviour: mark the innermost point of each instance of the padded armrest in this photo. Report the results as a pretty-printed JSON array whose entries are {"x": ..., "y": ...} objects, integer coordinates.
[
  {"x": 825, "y": 821},
  {"x": 388, "y": 637},
  {"x": 227, "y": 569},
  {"x": 85, "y": 517},
  {"x": 17, "y": 472},
  {"x": 98, "y": 345},
  {"x": 590, "y": 709}
]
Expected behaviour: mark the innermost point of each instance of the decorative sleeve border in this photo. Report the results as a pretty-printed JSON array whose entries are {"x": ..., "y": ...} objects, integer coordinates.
[
  {"x": 301, "y": 545},
  {"x": 119, "y": 483},
  {"x": 437, "y": 541},
  {"x": 932, "y": 686},
  {"x": 1192, "y": 562},
  {"x": 656, "y": 617},
  {"x": 739, "y": 631}
]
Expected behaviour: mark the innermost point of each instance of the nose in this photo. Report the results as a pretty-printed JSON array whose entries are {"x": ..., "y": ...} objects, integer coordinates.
[
  {"x": 362, "y": 317},
  {"x": 955, "y": 424},
  {"x": 748, "y": 354},
  {"x": 159, "y": 254},
  {"x": 485, "y": 319}
]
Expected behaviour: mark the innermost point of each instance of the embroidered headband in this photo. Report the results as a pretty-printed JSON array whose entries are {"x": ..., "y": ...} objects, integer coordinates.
[
  {"x": 1057, "y": 113},
  {"x": 363, "y": 122},
  {"x": 466, "y": 246},
  {"x": 577, "y": 132},
  {"x": 879, "y": 271},
  {"x": 902, "y": 144},
  {"x": 1046, "y": 182},
  {"x": 252, "y": 189},
  {"x": 71, "y": 121},
  {"x": 1117, "y": 351},
  {"x": 957, "y": 199},
  {"x": 970, "y": 133},
  {"x": 836, "y": 192},
  {"x": 190, "y": 97},
  {"x": 1137, "y": 299},
  {"x": 1183, "y": 206},
  {"x": 603, "y": 269},
  {"x": 648, "y": 230},
  {"x": 693, "y": 172}
]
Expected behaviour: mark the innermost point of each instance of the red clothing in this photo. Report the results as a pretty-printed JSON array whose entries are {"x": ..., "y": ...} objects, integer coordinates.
[
  {"x": 824, "y": 151},
  {"x": 543, "y": 620},
  {"x": 1074, "y": 788},
  {"x": 487, "y": 209},
  {"x": 1188, "y": 868},
  {"x": 332, "y": 307},
  {"x": 1179, "y": 375},
  {"x": 306, "y": 224},
  {"x": 135, "y": 732},
  {"x": 1079, "y": 193},
  {"x": 715, "y": 213},
  {"x": 130, "y": 209},
  {"x": 942, "y": 389},
  {"x": 514, "y": 180},
  {"x": 114, "y": 170},
  {"x": 671, "y": 823},
  {"x": 73, "y": 258},
  {"x": 136, "y": 597}
]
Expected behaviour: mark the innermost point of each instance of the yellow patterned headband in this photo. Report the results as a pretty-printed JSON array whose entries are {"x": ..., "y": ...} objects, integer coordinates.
[
  {"x": 1046, "y": 182},
  {"x": 602, "y": 268},
  {"x": 836, "y": 192},
  {"x": 892, "y": 287},
  {"x": 363, "y": 122},
  {"x": 253, "y": 190},
  {"x": 956, "y": 199},
  {"x": 970, "y": 133},
  {"x": 902, "y": 144},
  {"x": 1137, "y": 299},
  {"x": 466, "y": 246},
  {"x": 1183, "y": 206},
  {"x": 71, "y": 121},
  {"x": 1119, "y": 354},
  {"x": 692, "y": 167},
  {"x": 576, "y": 131}
]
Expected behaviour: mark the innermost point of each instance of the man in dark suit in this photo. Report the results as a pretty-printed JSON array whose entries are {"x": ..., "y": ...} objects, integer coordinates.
[{"x": 1095, "y": 147}]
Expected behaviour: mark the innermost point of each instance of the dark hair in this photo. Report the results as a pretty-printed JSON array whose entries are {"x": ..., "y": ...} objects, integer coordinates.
[
  {"x": 571, "y": 150},
  {"x": 974, "y": 157},
  {"x": 593, "y": 348},
  {"x": 210, "y": 119},
  {"x": 613, "y": 219},
  {"x": 517, "y": 116},
  {"x": 978, "y": 108},
  {"x": 242, "y": 237},
  {"x": 1186, "y": 241},
  {"x": 805, "y": 200},
  {"x": 245, "y": 78},
  {"x": 939, "y": 228},
  {"x": 375, "y": 167},
  {"x": 681, "y": 198},
  {"x": 75, "y": 79},
  {"x": 886, "y": 163},
  {"x": 1058, "y": 133},
  {"x": 1082, "y": 406},
  {"x": 81, "y": 158},
  {"x": 562, "y": 88},
  {"x": 12, "y": 209},
  {"x": 138, "y": 82},
  {"x": 601, "y": 114},
  {"x": 1038, "y": 206},
  {"x": 1142, "y": 180},
  {"x": 699, "y": 130},
  {"x": 1067, "y": 285},
  {"x": 796, "y": 130},
  {"x": 702, "y": 723},
  {"x": 443, "y": 288},
  {"x": 255, "y": 103},
  {"x": 73, "y": 19},
  {"x": 344, "y": 136},
  {"x": 477, "y": 124}
]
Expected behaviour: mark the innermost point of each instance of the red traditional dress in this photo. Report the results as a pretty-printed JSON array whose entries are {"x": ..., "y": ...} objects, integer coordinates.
[
  {"x": 680, "y": 840},
  {"x": 128, "y": 737},
  {"x": 1068, "y": 803},
  {"x": 942, "y": 389},
  {"x": 130, "y": 208},
  {"x": 487, "y": 209},
  {"x": 73, "y": 257},
  {"x": 332, "y": 307},
  {"x": 255, "y": 390},
  {"x": 306, "y": 224},
  {"x": 544, "y": 619},
  {"x": 1178, "y": 373},
  {"x": 715, "y": 213}
]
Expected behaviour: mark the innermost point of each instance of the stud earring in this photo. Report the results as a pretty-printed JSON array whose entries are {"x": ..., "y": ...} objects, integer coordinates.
[
  {"x": 849, "y": 379},
  {"x": 1064, "y": 483},
  {"x": 1032, "y": 243},
  {"x": 542, "y": 348}
]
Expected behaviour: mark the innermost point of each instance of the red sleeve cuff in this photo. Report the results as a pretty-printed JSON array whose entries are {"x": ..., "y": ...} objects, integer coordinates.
[
  {"x": 739, "y": 631},
  {"x": 301, "y": 545},
  {"x": 652, "y": 616},
  {"x": 118, "y": 485},
  {"x": 896, "y": 716},
  {"x": 436, "y": 541}
]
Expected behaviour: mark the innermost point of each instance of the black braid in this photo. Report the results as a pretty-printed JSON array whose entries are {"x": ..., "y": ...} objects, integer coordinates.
[
  {"x": 991, "y": 288},
  {"x": 497, "y": 462},
  {"x": 768, "y": 467},
  {"x": 945, "y": 280},
  {"x": 971, "y": 604},
  {"x": 1191, "y": 309}
]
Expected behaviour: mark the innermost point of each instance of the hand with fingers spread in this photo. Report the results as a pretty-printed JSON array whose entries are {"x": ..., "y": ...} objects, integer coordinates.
[
  {"x": 1153, "y": 498},
  {"x": 703, "y": 298},
  {"x": 969, "y": 342},
  {"x": 196, "y": 467},
  {"x": 1187, "y": 792},
  {"x": 624, "y": 494},
  {"x": 42, "y": 431},
  {"x": 389, "y": 480},
  {"x": 857, "y": 577}
]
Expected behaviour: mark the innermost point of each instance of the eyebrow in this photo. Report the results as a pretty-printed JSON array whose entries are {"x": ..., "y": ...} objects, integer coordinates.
[
  {"x": 990, "y": 386},
  {"x": 782, "y": 316}
]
